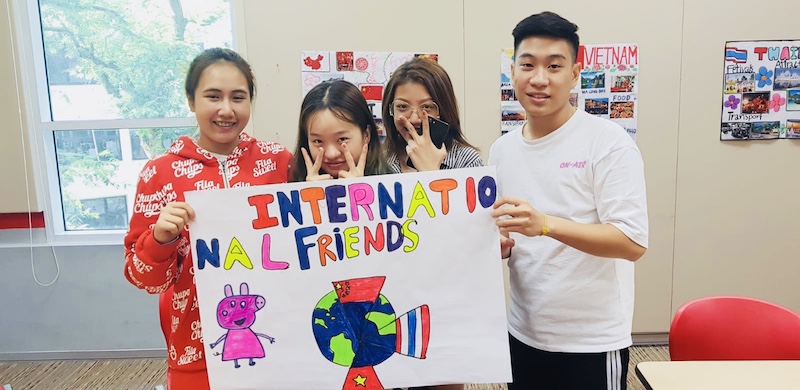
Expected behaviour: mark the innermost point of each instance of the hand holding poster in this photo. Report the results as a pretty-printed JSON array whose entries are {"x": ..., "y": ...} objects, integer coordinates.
[{"x": 368, "y": 283}]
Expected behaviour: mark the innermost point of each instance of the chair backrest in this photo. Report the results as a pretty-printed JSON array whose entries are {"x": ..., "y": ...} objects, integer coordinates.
[{"x": 734, "y": 328}]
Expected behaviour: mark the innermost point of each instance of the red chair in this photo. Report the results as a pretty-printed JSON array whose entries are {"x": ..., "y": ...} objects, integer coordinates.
[{"x": 734, "y": 328}]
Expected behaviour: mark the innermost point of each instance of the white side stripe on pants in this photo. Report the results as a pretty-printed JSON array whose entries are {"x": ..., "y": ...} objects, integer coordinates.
[{"x": 614, "y": 371}]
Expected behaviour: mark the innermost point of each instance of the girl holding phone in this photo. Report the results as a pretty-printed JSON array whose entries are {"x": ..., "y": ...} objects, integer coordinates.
[{"x": 423, "y": 131}]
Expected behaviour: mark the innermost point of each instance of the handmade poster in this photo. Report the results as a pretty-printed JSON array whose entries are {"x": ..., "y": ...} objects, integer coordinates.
[
  {"x": 608, "y": 86},
  {"x": 761, "y": 90},
  {"x": 366, "y": 283},
  {"x": 369, "y": 70}
]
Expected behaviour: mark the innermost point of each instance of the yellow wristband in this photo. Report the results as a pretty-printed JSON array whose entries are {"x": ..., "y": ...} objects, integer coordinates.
[{"x": 545, "y": 230}]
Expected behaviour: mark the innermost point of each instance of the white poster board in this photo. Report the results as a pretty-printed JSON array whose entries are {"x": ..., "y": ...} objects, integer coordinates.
[
  {"x": 368, "y": 283},
  {"x": 608, "y": 86}
]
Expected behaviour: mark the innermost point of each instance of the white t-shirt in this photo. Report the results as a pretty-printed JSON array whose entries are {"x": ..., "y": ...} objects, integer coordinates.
[{"x": 589, "y": 171}]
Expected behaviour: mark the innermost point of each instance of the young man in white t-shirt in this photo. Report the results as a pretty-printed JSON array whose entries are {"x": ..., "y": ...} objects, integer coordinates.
[{"x": 573, "y": 209}]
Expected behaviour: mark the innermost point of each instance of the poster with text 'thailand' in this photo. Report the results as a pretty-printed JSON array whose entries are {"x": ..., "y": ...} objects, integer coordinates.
[{"x": 761, "y": 90}]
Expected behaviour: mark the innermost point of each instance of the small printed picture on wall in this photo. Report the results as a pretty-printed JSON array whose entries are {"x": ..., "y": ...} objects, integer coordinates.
[
  {"x": 596, "y": 106},
  {"x": 765, "y": 130},
  {"x": 735, "y": 131},
  {"x": 593, "y": 80}
]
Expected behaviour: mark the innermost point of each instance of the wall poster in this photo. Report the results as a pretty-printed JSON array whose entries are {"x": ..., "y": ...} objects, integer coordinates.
[{"x": 761, "y": 90}]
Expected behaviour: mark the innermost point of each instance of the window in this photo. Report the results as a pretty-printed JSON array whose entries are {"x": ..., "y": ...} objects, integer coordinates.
[
  {"x": 108, "y": 94},
  {"x": 99, "y": 213}
]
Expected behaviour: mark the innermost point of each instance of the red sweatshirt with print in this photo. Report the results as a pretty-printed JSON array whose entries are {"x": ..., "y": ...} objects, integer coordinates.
[{"x": 168, "y": 269}]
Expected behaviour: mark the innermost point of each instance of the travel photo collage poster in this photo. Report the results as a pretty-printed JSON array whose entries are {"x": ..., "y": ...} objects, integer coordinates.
[
  {"x": 761, "y": 90},
  {"x": 368, "y": 70},
  {"x": 608, "y": 86}
]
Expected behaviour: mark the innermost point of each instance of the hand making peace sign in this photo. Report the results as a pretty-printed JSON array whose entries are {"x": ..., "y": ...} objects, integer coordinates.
[
  {"x": 312, "y": 169},
  {"x": 420, "y": 149},
  {"x": 354, "y": 170}
]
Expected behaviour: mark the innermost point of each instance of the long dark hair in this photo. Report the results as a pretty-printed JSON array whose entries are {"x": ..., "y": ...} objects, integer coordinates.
[
  {"x": 347, "y": 103},
  {"x": 434, "y": 78}
]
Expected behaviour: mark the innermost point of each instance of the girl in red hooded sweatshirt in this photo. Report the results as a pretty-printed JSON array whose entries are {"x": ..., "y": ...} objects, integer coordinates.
[{"x": 220, "y": 88}]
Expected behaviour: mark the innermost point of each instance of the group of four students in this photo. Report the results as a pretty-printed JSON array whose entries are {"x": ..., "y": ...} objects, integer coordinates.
[{"x": 570, "y": 257}]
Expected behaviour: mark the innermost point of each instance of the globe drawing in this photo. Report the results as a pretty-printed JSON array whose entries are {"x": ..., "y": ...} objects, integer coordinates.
[
  {"x": 355, "y": 334},
  {"x": 356, "y": 326}
]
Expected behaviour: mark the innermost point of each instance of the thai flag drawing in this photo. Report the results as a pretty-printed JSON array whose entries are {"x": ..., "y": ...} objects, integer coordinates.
[
  {"x": 414, "y": 332},
  {"x": 733, "y": 54}
]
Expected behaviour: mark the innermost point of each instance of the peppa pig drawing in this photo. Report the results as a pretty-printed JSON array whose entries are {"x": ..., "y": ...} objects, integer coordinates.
[{"x": 237, "y": 313}]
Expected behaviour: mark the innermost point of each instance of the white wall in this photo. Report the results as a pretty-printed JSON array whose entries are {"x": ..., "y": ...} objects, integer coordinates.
[
  {"x": 738, "y": 216},
  {"x": 13, "y": 197}
]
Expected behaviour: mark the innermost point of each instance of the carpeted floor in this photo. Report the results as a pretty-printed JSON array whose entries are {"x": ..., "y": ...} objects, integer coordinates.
[{"x": 145, "y": 374}]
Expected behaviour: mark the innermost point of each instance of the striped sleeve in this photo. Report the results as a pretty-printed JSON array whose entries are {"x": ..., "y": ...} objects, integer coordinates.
[{"x": 462, "y": 157}]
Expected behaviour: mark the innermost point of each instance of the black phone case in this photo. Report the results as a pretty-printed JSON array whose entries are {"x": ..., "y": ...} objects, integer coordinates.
[{"x": 439, "y": 129}]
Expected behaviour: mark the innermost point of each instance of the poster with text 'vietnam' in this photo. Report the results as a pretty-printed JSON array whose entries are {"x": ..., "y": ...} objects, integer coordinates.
[
  {"x": 761, "y": 90},
  {"x": 367, "y": 283},
  {"x": 607, "y": 87}
]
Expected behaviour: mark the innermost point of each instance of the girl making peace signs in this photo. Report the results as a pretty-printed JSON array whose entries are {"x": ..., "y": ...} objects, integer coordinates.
[{"x": 337, "y": 135}]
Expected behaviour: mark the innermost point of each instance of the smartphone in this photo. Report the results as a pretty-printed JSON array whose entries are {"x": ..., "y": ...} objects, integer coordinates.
[{"x": 438, "y": 129}]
